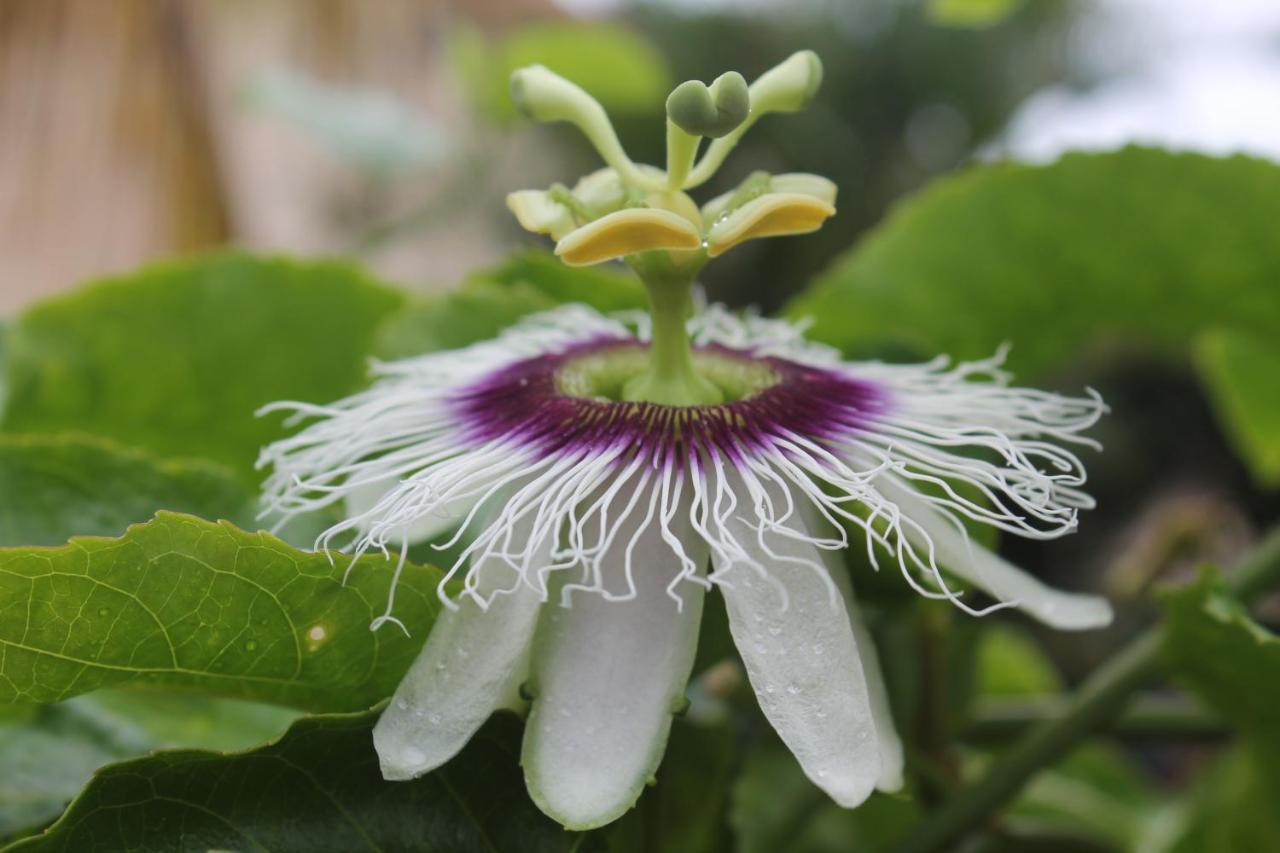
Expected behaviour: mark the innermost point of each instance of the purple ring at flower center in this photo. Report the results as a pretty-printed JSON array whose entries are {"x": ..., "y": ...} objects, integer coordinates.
[{"x": 526, "y": 403}]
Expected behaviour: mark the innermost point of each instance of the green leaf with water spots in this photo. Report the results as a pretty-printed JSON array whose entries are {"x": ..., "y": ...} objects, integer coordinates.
[{"x": 186, "y": 603}]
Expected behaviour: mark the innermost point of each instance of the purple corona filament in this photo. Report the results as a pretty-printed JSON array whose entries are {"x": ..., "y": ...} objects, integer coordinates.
[{"x": 524, "y": 404}]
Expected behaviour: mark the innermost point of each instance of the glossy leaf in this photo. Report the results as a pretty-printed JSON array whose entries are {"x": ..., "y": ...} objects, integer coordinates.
[
  {"x": 197, "y": 605},
  {"x": 1031, "y": 255},
  {"x": 1242, "y": 371},
  {"x": 317, "y": 789},
  {"x": 175, "y": 359},
  {"x": 59, "y": 486}
]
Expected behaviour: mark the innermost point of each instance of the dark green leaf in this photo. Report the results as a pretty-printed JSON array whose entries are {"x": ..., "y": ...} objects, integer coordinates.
[
  {"x": 1232, "y": 662},
  {"x": 777, "y": 810},
  {"x": 684, "y": 811},
  {"x": 1136, "y": 248},
  {"x": 187, "y": 603},
  {"x": 317, "y": 789},
  {"x": 175, "y": 359},
  {"x": 1241, "y": 371},
  {"x": 46, "y": 758},
  {"x": 56, "y": 487}
]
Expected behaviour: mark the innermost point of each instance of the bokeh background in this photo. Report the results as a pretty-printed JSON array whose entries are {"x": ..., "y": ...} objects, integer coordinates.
[{"x": 138, "y": 129}]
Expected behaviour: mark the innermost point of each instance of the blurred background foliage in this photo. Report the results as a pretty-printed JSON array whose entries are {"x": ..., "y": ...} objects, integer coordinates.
[{"x": 382, "y": 134}]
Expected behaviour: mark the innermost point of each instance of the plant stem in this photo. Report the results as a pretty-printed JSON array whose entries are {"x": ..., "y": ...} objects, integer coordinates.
[
  {"x": 1100, "y": 699},
  {"x": 1150, "y": 716}
]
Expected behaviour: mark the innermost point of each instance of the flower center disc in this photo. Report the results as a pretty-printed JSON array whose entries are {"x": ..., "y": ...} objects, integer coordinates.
[{"x": 601, "y": 374}]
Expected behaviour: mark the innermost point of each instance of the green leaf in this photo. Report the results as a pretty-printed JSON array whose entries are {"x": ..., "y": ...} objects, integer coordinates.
[
  {"x": 453, "y": 320},
  {"x": 1233, "y": 663},
  {"x": 603, "y": 288},
  {"x": 1136, "y": 248},
  {"x": 493, "y": 299},
  {"x": 618, "y": 66},
  {"x": 191, "y": 604},
  {"x": 973, "y": 14},
  {"x": 46, "y": 758},
  {"x": 1009, "y": 663},
  {"x": 175, "y": 359},
  {"x": 56, "y": 487},
  {"x": 775, "y": 809},
  {"x": 317, "y": 788},
  {"x": 1233, "y": 806},
  {"x": 1241, "y": 373}
]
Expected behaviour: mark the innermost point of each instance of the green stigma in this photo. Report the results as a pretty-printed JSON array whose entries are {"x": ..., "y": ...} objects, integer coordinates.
[{"x": 643, "y": 215}]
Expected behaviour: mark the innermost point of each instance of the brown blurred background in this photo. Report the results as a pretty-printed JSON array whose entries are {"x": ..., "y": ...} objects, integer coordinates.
[{"x": 124, "y": 137}]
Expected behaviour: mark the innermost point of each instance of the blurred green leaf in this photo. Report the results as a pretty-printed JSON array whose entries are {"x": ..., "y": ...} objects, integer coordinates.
[
  {"x": 1233, "y": 805},
  {"x": 603, "y": 288},
  {"x": 1095, "y": 792},
  {"x": 618, "y": 66},
  {"x": 453, "y": 320},
  {"x": 493, "y": 299},
  {"x": 59, "y": 486},
  {"x": 1009, "y": 663},
  {"x": 186, "y": 603},
  {"x": 971, "y": 13},
  {"x": 176, "y": 358},
  {"x": 318, "y": 788},
  {"x": 776, "y": 809},
  {"x": 1243, "y": 374},
  {"x": 1214, "y": 646},
  {"x": 46, "y": 758},
  {"x": 683, "y": 811},
  {"x": 1136, "y": 248}
]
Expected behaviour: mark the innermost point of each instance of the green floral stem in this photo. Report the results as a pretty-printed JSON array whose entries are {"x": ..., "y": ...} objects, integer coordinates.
[
  {"x": 671, "y": 379},
  {"x": 1098, "y": 702}
]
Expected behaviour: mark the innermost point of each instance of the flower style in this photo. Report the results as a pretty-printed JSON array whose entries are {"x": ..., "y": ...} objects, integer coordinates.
[{"x": 602, "y": 474}]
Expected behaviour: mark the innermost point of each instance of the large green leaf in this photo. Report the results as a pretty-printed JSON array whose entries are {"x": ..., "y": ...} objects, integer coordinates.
[
  {"x": 493, "y": 299},
  {"x": 975, "y": 14},
  {"x": 197, "y": 605},
  {"x": 47, "y": 756},
  {"x": 1243, "y": 372},
  {"x": 176, "y": 358},
  {"x": 1138, "y": 248},
  {"x": 317, "y": 789},
  {"x": 56, "y": 487}
]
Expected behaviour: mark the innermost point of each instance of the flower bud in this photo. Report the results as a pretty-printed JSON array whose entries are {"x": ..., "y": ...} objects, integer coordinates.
[{"x": 789, "y": 86}]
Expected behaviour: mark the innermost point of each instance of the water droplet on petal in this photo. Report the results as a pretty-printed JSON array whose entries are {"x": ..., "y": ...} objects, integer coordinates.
[{"x": 401, "y": 704}]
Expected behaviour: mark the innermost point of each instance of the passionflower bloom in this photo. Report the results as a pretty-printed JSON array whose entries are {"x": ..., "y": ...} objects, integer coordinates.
[{"x": 603, "y": 474}]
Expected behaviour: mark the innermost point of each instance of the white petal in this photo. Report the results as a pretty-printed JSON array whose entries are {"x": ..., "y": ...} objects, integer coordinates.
[
  {"x": 803, "y": 661},
  {"x": 891, "y": 755},
  {"x": 473, "y": 660},
  {"x": 987, "y": 571},
  {"x": 608, "y": 676}
]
